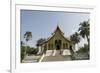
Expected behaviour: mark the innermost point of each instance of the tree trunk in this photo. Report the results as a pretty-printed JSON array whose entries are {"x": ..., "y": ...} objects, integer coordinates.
[
  {"x": 88, "y": 47},
  {"x": 88, "y": 41},
  {"x": 72, "y": 52}
]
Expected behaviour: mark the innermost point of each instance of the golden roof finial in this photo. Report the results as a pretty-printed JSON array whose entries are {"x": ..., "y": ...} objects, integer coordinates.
[{"x": 58, "y": 28}]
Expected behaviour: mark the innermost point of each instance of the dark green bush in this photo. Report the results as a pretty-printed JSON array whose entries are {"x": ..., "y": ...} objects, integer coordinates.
[
  {"x": 22, "y": 52},
  {"x": 31, "y": 51},
  {"x": 84, "y": 49}
]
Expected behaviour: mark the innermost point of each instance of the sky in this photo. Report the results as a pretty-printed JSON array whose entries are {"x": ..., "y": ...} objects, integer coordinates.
[{"x": 43, "y": 23}]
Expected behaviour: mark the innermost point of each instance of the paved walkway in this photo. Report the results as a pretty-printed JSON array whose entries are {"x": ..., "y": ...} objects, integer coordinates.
[
  {"x": 47, "y": 57},
  {"x": 31, "y": 59},
  {"x": 56, "y": 58}
]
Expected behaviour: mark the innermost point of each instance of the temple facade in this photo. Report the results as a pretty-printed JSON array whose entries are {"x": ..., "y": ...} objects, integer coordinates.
[{"x": 57, "y": 41}]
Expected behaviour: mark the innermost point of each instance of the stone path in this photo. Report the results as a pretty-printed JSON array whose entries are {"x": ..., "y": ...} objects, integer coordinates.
[
  {"x": 56, "y": 58},
  {"x": 31, "y": 59},
  {"x": 47, "y": 57}
]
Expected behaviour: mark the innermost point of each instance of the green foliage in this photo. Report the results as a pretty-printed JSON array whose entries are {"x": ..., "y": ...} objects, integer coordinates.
[
  {"x": 22, "y": 53},
  {"x": 28, "y": 35},
  {"x": 84, "y": 49},
  {"x": 31, "y": 50},
  {"x": 83, "y": 53},
  {"x": 75, "y": 38},
  {"x": 84, "y": 29},
  {"x": 40, "y": 41}
]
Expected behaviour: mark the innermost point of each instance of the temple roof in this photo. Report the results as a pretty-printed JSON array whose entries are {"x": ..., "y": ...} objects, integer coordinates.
[{"x": 57, "y": 29}]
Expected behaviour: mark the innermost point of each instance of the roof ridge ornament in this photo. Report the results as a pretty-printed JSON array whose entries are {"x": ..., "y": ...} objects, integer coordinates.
[
  {"x": 57, "y": 29},
  {"x": 58, "y": 24}
]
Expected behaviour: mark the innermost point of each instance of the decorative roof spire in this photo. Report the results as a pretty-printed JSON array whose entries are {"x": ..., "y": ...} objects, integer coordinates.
[
  {"x": 57, "y": 29},
  {"x": 58, "y": 26}
]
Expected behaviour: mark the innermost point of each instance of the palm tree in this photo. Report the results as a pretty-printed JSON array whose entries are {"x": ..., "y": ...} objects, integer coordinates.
[
  {"x": 27, "y": 36},
  {"x": 84, "y": 30},
  {"x": 75, "y": 38}
]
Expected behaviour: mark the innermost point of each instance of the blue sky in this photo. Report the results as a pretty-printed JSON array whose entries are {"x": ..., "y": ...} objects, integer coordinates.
[{"x": 43, "y": 23}]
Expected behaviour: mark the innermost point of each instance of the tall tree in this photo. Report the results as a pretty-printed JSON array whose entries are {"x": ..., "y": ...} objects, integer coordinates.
[
  {"x": 84, "y": 30},
  {"x": 27, "y": 36},
  {"x": 40, "y": 42},
  {"x": 75, "y": 38},
  {"x": 22, "y": 51}
]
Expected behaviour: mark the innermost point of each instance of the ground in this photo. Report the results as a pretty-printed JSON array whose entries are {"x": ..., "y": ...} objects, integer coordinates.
[
  {"x": 56, "y": 58},
  {"x": 31, "y": 59}
]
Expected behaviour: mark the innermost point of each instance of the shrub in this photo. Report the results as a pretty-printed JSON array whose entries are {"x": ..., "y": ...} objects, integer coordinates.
[
  {"x": 31, "y": 51},
  {"x": 84, "y": 49},
  {"x": 22, "y": 52}
]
